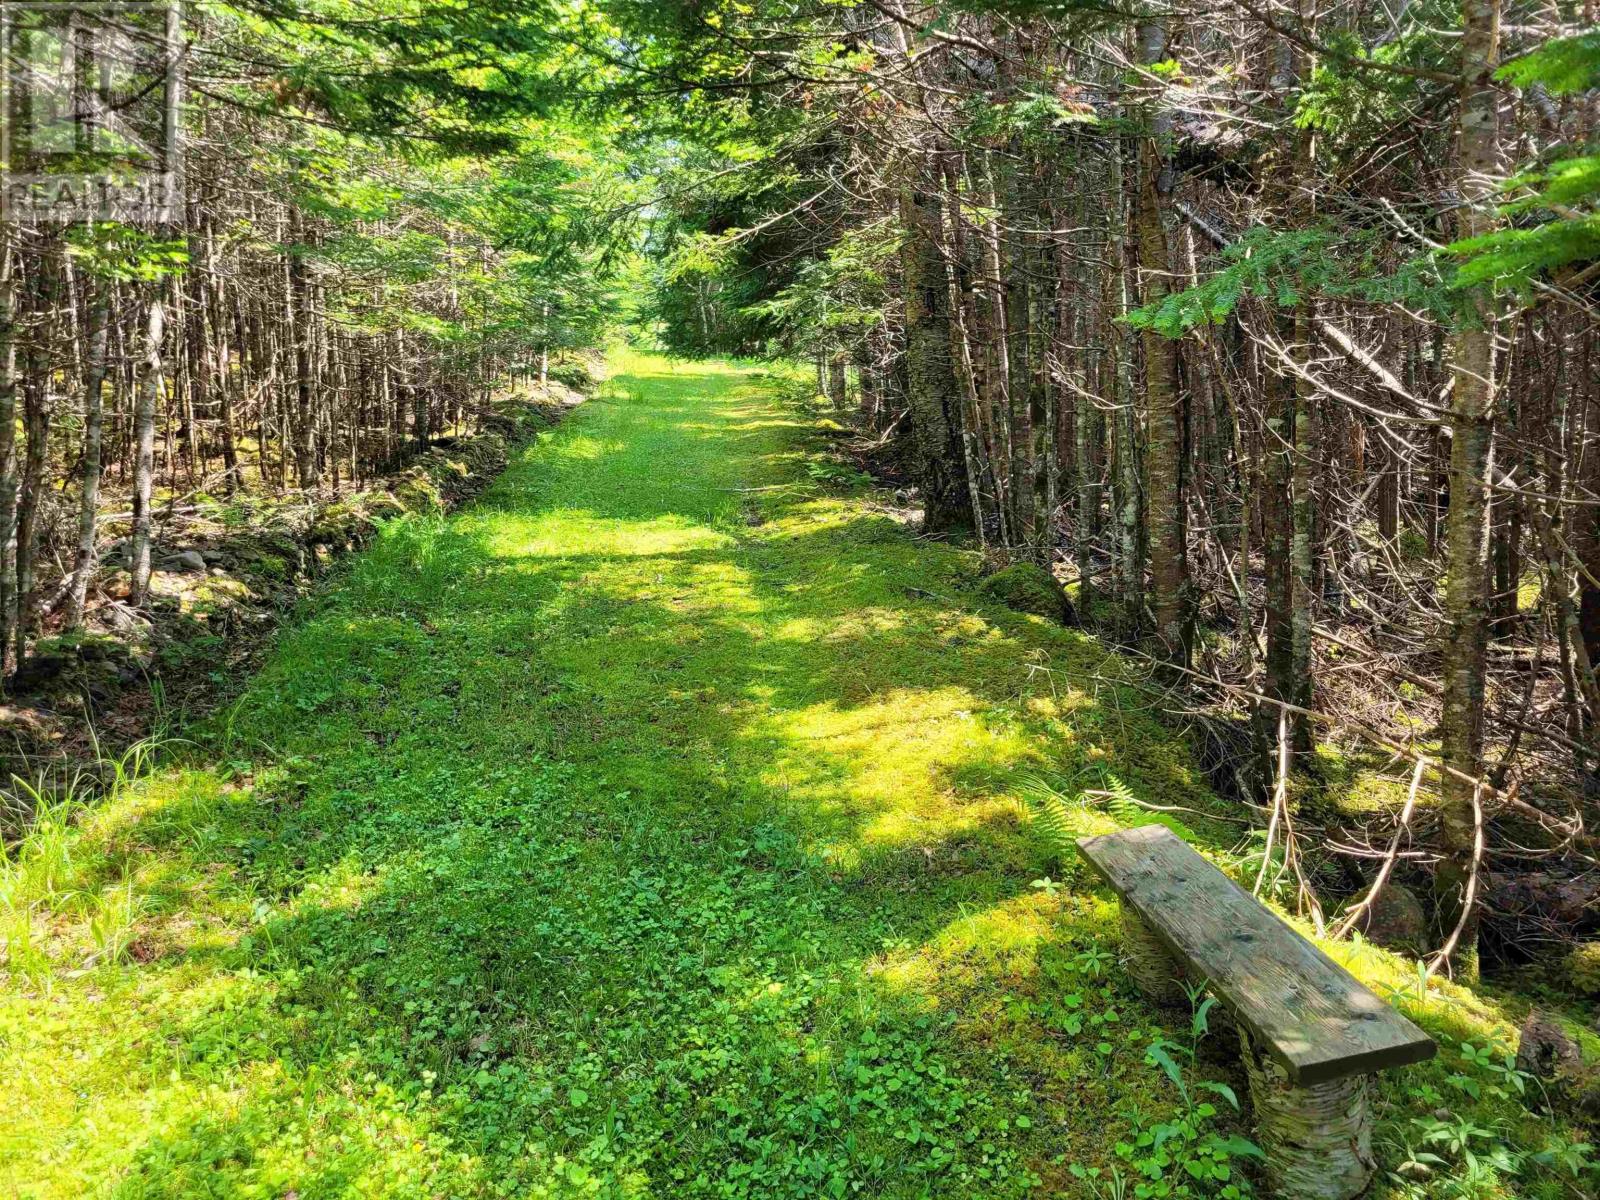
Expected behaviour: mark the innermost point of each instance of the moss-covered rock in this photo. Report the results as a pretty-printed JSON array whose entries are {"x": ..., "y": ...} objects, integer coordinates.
[
  {"x": 216, "y": 594},
  {"x": 574, "y": 373},
  {"x": 1030, "y": 588},
  {"x": 1583, "y": 969},
  {"x": 1397, "y": 921},
  {"x": 341, "y": 523},
  {"x": 416, "y": 492},
  {"x": 381, "y": 506},
  {"x": 270, "y": 554}
]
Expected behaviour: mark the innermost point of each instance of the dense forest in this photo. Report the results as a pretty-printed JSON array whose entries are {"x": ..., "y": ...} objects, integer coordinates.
[
  {"x": 1274, "y": 330},
  {"x": 1258, "y": 342},
  {"x": 362, "y": 247}
]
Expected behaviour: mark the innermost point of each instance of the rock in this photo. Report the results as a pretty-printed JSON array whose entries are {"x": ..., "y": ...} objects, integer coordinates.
[
  {"x": 214, "y": 557},
  {"x": 214, "y": 595},
  {"x": 102, "y": 680},
  {"x": 381, "y": 505},
  {"x": 94, "y": 648},
  {"x": 341, "y": 524},
  {"x": 1397, "y": 921},
  {"x": 1029, "y": 588},
  {"x": 166, "y": 584},
  {"x": 1545, "y": 1049},
  {"x": 36, "y": 670},
  {"x": 271, "y": 555},
  {"x": 1549, "y": 1053},
  {"x": 1548, "y": 899},
  {"x": 417, "y": 493},
  {"x": 117, "y": 583},
  {"x": 124, "y": 621},
  {"x": 190, "y": 560}
]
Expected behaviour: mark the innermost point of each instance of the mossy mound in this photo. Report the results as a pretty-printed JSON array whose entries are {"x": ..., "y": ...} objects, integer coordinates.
[
  {"x": 1583, "y": 969},
  {"x": 269, "y": 554},
  {"x": 448, "y": 474},
  {"x": 342, "y": 523},
  {"x": 576, "y": 373},
  {"x": 1029, "y": 588}
]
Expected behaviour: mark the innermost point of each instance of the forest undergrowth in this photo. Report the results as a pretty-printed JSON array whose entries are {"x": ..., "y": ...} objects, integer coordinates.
[{"x": 663, "y": 824}]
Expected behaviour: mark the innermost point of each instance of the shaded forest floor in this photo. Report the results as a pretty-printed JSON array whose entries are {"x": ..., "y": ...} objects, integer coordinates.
[
  {"x": 227, "y": 569},
  {"x": 653, "y": 827}
]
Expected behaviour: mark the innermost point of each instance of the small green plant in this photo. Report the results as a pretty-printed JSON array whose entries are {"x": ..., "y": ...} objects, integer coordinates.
[
  {"x": 1057, "y": 810},
  {"x": 1499, "y": 1064},
  {"x": 1572, "y": 1160},
  {"x": 112, "y": 918},
  {"x": 39, "y": 867},
  {"x": 1185, "y": 1155},
  {"x": 41, "y": 875},
  {"x": 837, "y": 474},
  {"x": 1466, "y": 1141},
  {"x": 1114, "y": 1185},
  {"x": 1055, "y": 813},
  {"x": 1092, "y": 961},
  {"x": 1448, "y": 1148}
]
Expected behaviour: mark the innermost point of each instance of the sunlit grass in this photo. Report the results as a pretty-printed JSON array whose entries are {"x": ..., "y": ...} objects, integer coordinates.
[{"x": 644, "y": 830}]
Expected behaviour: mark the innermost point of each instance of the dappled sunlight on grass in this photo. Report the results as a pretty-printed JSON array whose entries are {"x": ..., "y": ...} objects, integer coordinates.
[
  {"x": 554, "y": 534},
  {"x": 652, "y": 828},
  {"x": 895, "y": 758}
]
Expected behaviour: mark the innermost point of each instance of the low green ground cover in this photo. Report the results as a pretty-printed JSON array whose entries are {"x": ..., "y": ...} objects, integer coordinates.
[{"x": 655, "y": 827}]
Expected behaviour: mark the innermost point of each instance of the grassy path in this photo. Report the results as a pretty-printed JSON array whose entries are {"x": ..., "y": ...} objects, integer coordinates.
[{"x": 648, "y": 829}]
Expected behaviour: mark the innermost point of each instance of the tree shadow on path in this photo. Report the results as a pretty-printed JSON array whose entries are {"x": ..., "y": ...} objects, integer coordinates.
[{"x": 634, "y": 832}]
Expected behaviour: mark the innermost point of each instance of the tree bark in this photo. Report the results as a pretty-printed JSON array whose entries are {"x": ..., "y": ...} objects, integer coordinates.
[
  {"x": 144, "y": 437},
  {"x": 932, "y": 390},
  {"x": 1164, "y": 436},
  {"x": 1471, "y": 422},
  {"x": 86, "y": 560},
  {"x": 8, "y": 439}
]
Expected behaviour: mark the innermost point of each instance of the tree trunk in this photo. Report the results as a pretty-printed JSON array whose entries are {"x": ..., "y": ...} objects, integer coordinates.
[
  {"x": 85, "y": 561},
  {"x": 1471, "y": 421},
  {"x": 144, "y": 438},
  {"x": 932, "y": 391},
  {"x": 36, "y": 424},
  {"x": 298, "y": 322},
  {"x": 8, "y": 439},
  {"x": 1164, "y": 437}
]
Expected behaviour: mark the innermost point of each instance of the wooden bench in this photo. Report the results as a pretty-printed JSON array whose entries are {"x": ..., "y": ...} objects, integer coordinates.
[{"x": 1311, "y": 1034}]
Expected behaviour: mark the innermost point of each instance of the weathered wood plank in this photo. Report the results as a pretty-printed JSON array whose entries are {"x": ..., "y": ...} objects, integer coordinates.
[{"x": 1311, "y": 1014}]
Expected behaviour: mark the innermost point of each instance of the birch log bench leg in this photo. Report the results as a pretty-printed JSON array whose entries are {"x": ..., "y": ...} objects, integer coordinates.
[{"x": 1312, "y": 1036}]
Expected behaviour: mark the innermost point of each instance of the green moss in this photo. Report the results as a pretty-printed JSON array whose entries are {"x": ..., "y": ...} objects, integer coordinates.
[
  {"x": 265, "y": 558},
  {"x": 83, "y": 644},
  {"x": 1583, "y": 969},
  {"x": 417, "y": 492},
  {"x": 341, "y": 523},
  {"x": 215, "y": 594},
  {"x": 1029, "y": 588}
]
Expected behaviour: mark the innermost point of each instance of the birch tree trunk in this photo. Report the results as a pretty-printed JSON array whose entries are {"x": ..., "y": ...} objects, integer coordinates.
[{"x": 144, "y": 437}]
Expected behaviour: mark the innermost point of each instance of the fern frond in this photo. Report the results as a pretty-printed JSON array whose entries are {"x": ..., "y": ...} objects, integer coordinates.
[
  {"x": 1124, "y": 806},
  {"x": 1054, "y": 811}
]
